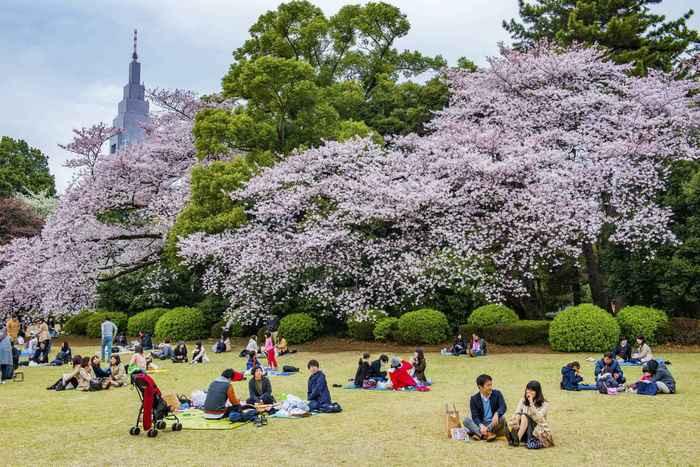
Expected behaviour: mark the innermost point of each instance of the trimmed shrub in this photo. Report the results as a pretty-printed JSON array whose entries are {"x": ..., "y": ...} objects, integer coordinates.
[
  {"x": 490, "y": 315},
  {"x": 640, "y": 320},
  {"x": 297, "y": 328},
  {"x": 362, "y": 330},
  {"x": 424, "y": 326},
  {"x": 77, "y": 324},
  {"x": 386, "y": 329},
  {"x": 583, "y": 328},
  {"x": 94, "y": 322},
  {"x": 522, "y": 332},
  {"x": 182, "y": 324},
  {"x": 145, "y": 321}
]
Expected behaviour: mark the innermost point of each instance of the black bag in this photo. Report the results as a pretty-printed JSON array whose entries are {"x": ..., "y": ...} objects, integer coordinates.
[
  {"x": 290, "y": 369},
  {"x": 95, "y": 385}
]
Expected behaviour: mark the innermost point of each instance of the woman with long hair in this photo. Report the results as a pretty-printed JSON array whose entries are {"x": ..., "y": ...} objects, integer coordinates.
[
  {"x": 117, "y": 374},
  {"x": 419, "y": 366},
  {"x": 529, "y": 422}
]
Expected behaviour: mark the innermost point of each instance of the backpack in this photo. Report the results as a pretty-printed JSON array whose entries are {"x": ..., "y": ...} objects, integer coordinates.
[
  {"x": 646, "y": 388},
  {"x": 333, "y": 407},
  {"x": 290, "y": 369},
  {"x": 369, "y": 384},
  {"x": 245, "y": 415}
]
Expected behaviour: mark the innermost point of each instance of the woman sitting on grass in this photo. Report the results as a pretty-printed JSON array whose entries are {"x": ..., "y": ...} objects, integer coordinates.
[
  {"x": 260, "y": 388},
  {"x": 419, "y": 365},
  {"x": 70, "y": 380},
  {"x": 87, "y": 380},
  {"x": 97, "y": 367},
  {"x": 199, "y": 355},
  {"x": 477, "y": 346},
  {"x": 180, "y": 353},
  {"x": 529, "y": 422},
  {"x": 459, "y": 347},
  {"x": 363, "y": 370},
  {"x": 642, "y": 353},
  {"x": 571, "y": 379},
  {"x": 117, "y": 374},
  {"x": 63, "y": 356},
  {"x": 375, "y": 369},
  {"x": 138, "y": 360}
]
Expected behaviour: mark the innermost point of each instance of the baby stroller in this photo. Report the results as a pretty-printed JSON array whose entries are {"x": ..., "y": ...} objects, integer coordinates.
[{"x": 154, "y": 409}]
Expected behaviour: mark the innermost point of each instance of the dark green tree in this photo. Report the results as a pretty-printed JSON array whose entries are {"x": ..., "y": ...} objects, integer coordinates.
[
  {"x": 628, "y": 29},
  {"x": 302, "y": 78},
  {"x": 23, "y": 169}
]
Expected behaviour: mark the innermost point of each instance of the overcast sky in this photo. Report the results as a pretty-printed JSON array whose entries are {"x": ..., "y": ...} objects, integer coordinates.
[{"x": 63, "y": 63}]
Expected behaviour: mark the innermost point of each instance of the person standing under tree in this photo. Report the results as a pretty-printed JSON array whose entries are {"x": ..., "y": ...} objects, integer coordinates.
[{"x": 109, "y": 330}]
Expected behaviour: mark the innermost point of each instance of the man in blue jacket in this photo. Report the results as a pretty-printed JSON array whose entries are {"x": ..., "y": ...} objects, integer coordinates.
[
  {"x": 608, "y": 364},
  {"x": 488, "y": 409},
  {"x": 318, "y": 394}
]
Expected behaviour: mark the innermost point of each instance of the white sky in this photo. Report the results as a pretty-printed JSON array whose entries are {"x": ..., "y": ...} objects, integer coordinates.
[{"x": 63, "y": 63}]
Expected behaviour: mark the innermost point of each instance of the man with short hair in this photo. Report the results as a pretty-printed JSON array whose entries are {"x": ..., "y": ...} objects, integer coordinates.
[
  {"x": 219, "y": 393},
  {"x": 318, "y": 394},
  {"x": 109, "y": 330},
  {"x": 608, "y": 365},
  {"x": 488, "y": 408}
]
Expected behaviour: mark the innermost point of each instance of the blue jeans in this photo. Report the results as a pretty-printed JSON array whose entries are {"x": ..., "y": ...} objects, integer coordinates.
[
  {"x": 587, "y": 387},
  {"x": 106, "y": 349}
]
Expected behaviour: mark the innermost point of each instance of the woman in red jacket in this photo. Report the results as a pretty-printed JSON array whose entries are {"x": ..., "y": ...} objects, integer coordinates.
[{"x": 400, "y": 378}]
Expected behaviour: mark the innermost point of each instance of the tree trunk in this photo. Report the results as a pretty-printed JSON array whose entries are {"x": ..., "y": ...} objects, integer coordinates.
[
  {"x": 596, "y": 280},
  {"x": 576, "y": 286}
]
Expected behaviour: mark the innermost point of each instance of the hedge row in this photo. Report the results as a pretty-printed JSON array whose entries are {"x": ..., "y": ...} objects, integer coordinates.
[{"x": 523, "y": 332}]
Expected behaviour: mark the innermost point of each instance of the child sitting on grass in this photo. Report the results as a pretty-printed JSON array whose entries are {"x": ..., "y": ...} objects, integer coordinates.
[{"x": 571, "y": 379}]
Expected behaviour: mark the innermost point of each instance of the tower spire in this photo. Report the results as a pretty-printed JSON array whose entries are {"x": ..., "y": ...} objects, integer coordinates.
[{"x": 135, "y": 56}]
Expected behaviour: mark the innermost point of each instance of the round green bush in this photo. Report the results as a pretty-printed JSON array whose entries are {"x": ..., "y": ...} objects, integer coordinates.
[
  {"x": 642, "y": 321},
  {"x": 77, "y": 324},
  {"x": 583, "y": 328},
  {"x": 362, "y": 329},
  {"x": 94, "y": 322},
  {"x": 491, "y": 315},
  {"x": 386, "y": 329},
  {"x": 145, "y": 321},
  {"x": 298, "y": 328},
  {"x": 424, "y": 326},
  {"x": 182, "y": 324}
]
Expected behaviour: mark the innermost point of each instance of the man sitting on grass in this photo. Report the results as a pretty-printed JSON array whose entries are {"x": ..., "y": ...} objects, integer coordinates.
[
  {"x": 318, "y": 394},
  {"x": 488, "y": 408},
  {"x": 609, "y": 366}
]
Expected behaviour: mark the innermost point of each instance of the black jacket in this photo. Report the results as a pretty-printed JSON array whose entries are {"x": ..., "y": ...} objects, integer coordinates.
[
  {"x": 497, "y": 402},
  {"x": 375, "y": 370},
  {"x": 623, "y": 352},
  {"x": 266, "y": 389},
  {"x": 362, "y": 373}
]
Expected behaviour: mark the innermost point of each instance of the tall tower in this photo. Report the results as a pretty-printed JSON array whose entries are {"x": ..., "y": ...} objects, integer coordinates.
[{"x": 133, "y": 108}]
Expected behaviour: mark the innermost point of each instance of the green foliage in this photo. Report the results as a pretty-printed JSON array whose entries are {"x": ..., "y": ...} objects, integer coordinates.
[
  {"x": 489, "y": 315},
  {"x": 681, "y": 331},
  {"x": 362, "y": 330},
  {"x": 583, "y": 328},
  {"x": 298, "y": 328},
  {"x": 135, "y": 292},
  {"x": 303, "y": 77},
  {"x": 94, "y": 322},
  {"x": 425, "y": 326},
  {"x": 212, "y": 308},
  {"x": 626, "y": 28},
  {"x": 386, "y": 329},
  {"x": 182, "y": 324},
  {"x": 145, "y": 321},
  {"x": 522, "y": 332},
  {"x": 23, "y": 169},
  {"x": 77, "y": 324},
  {"x": 641, "y": 321},
  {"x": 236, "y": 330}
]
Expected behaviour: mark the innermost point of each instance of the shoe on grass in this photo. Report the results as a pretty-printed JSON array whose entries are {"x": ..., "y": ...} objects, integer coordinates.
[
  {"x": 476, "y": 437},
  {"x": 490, "y": 437}
]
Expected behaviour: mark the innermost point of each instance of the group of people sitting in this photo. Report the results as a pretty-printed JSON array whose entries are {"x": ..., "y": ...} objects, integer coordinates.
[
  {"x": 476, "y": 347},
  {"x": 528, "y": 426},
  {"x": 271, "y": 350},
  {"x": 87, "y": 374},
  {"x": 610, "y": 378},
  {"x": 402, "y": 374},
  {"x": 222, "y": 401},
  {"x": 178, "y": 353}
]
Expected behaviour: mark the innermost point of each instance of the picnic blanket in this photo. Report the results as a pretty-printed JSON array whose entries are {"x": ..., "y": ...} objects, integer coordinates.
[
  {"x": 159, "y": 370},
  {"x": 407, "y": 389},
  {"x": 193, "y": 419},
  {"x": 280, "y": 373}
]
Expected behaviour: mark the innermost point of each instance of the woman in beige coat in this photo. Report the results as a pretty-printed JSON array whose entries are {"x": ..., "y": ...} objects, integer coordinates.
[
  {"x": 529, "y": 422},
  {"x": 117, "y": 375}
]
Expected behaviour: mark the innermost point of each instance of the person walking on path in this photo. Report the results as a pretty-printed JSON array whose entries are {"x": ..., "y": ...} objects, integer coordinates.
[{"x": 109, "y": 330}]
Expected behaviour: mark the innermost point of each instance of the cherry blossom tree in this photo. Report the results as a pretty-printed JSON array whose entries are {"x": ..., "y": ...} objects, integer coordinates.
[
  {"x": 114, "y": 217},
  {"x": 537, "y": 157}
]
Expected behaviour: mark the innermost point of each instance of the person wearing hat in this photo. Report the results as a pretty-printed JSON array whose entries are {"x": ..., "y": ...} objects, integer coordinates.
[
  {"x": 399, "y": 374},
  {"x": 665, "y": 383}
]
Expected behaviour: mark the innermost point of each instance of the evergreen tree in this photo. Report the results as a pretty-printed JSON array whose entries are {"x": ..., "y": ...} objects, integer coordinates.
[{"x": 628, "y": 29}]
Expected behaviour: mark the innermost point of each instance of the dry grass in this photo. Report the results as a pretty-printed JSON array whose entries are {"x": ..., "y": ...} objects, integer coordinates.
[{"x": 376, "y": 428}]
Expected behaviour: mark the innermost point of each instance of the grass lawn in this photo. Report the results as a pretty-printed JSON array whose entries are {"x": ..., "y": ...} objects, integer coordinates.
[{"x": 375, "y": 428}]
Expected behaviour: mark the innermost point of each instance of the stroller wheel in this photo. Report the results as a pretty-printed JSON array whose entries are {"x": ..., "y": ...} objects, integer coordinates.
[
  {"x": 152, "y": 433},
  {"x": 177, "y": 426},
  {"x": 134, "y": 431},
  {"x": 160, "y": 425}
]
